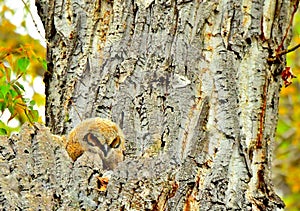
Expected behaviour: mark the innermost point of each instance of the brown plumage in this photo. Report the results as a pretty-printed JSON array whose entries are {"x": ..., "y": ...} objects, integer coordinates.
[{"x": 99, "y": 136}]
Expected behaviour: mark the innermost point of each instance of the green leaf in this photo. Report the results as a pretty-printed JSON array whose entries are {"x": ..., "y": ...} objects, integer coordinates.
[
  {"x": 2, "y": 106},
  {"x": 3, "y": 80},
  {"x": 26, "y": 100},
  {"x": 13, "y": 93},
  {"x": 4, "y": 89},
  {"x": 32, "y": 103},
  {"x": 17, "y": 89},
  {"x": 3, "y": 132},
  {"x": 44, "y": 63},
  {"x": 28, "y": 103},
  {"x": 23, "y": 64},
  {"x": 20, "y": 86},
  {"x": 11, "y": 109},
  {"x": 33, "y": 115}
]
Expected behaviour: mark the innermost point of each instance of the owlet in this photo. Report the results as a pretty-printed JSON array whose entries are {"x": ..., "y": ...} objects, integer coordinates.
[{"x": 99, "y": 136}]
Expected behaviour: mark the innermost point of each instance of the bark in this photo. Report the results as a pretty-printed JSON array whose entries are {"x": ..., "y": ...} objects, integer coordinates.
[{"x": 193, "y": 84}]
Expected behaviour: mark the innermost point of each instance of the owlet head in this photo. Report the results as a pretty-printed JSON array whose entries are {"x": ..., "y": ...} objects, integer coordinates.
[{"x": 99, "y": 136}]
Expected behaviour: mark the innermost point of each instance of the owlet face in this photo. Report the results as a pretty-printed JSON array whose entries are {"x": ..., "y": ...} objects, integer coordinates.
[
  {"x": 108, "y": 148},
  {"x": 101, "y": 137}
]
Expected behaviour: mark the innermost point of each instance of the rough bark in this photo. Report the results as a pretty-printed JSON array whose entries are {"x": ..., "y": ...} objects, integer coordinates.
[
  {"x": 190, "y": 83},
  {"x": 37, "y": 174}
]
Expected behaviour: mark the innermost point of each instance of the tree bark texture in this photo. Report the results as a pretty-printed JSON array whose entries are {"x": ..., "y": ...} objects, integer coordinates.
[{"x": 193, "y": 84}]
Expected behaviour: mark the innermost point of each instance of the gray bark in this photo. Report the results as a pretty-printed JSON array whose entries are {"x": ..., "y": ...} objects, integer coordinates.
[{"x": 189, "y": 83}]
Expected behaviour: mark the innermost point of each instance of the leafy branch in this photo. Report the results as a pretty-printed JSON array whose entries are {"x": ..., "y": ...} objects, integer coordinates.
[{"x": 14, "y": 64}]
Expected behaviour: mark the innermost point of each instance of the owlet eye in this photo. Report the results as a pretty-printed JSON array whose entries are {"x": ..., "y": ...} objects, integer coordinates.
[
  {"x": 115, "y": 143},
  {"x": 91, "y": 139}
]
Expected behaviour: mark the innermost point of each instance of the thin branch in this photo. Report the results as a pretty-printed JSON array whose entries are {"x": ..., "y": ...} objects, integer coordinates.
[
  {"x": 34, "y": 22},
  {"x": 290, "y": 24},
  {"x": 280, "y": 53}
]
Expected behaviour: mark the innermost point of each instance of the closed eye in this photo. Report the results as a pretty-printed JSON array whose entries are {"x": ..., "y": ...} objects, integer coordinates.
[
  {"x": 115, "y": 143},
  {"x": 91, "y": 139}
]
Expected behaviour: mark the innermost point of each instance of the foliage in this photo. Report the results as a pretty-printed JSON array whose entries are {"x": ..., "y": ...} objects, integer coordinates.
[
  {"x": 21, "y": 61},
  {"x": 287, "y": 152}
]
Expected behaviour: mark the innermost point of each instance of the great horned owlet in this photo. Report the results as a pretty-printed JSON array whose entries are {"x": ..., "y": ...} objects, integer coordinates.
[{"x": 99, "y": 136}]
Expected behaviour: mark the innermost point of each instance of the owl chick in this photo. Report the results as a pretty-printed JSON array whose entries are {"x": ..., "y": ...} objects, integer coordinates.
[{"x": 99, "y": 136}]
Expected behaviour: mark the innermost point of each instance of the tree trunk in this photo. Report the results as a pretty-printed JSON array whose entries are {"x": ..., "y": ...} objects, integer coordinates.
[{"x": 194, "y": 85}]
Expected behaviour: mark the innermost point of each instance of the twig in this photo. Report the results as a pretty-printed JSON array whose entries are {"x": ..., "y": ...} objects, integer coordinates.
[{"x": 34, "y": 22}]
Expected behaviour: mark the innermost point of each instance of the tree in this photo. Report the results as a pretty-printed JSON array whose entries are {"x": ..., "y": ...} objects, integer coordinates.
[{"x": 193, "y": 84}]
